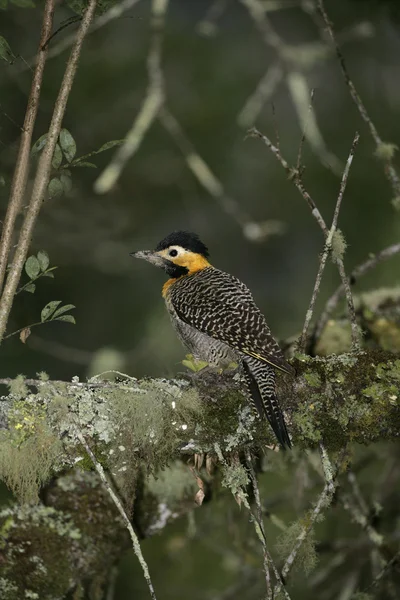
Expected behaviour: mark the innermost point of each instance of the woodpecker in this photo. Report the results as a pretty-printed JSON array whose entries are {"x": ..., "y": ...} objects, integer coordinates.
[{"x": 216, "y": 318}]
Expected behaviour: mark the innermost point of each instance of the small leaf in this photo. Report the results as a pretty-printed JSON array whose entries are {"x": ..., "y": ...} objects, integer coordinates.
[
  {"x": 5, "y": 51},
  {"x": 3, "y": 4},
  {"x": 66, "y": 318},
  {"x": 47, "y": 274},
  {"x": 31, "y": 287},
  {"x": 62, "y": 310},
  {"x": 55, "y": 188},
  {"x": 57, "y": 157},
  {"x": 109, "y": 145},
  {"x": 39, "y": 144},
  {"x": 25, "y": 333},
  {"x": 84, "y": 164},
  {"x": 2, "y": 178},
  {"x": 66, "y": 182},
  {"x": 67, "y": 144},
  {"x": 49, "y": 309},
  {"x": 32, "y": 267},
  {"x": 43, "y": 259}
]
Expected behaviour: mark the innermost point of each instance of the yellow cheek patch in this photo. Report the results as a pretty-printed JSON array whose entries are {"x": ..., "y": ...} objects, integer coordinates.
[{"x": 193, "y": 262}]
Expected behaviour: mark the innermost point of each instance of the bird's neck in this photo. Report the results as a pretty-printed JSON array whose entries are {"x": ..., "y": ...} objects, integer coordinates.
[{"x": 193, "y": 266}]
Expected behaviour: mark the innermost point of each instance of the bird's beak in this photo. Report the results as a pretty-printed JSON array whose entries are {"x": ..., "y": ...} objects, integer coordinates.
[{"x": 150, "y": 256}]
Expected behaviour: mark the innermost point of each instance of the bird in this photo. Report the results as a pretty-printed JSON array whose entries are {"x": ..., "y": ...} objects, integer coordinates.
[{"x": 217, "y": 320}]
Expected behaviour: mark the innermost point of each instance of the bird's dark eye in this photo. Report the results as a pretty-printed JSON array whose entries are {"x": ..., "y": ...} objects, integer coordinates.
[{"x": 173, "y": 252}]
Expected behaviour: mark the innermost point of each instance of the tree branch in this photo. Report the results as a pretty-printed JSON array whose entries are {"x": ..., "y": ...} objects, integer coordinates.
[
  {"x": 43, "y": 172},
  {"x": 20, "y": 176},
  {"x": 324, "y": 257},
  {"x": 360, "y": 270}
]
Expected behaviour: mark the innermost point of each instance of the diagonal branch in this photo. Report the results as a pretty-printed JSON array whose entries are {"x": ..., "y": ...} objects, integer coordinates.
[
  {"x": 43, "y": 171},
  {"x": 390, "y": 170},
  {"x": 135, "y": 542},
  {"x": 360, "y": 270},
  {"x": 327, "y": 249},
  {"x": 150, "y": 108},
  {"x": 295, "y": 176},
  {"x": 20, "y": 176}
]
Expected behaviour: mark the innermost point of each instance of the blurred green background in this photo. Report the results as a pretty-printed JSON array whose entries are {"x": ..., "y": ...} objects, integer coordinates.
[{"x": 211, "y": 70}]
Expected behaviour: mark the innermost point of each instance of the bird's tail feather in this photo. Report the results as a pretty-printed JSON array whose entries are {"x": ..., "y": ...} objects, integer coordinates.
[{"x": 260, "y": 381}]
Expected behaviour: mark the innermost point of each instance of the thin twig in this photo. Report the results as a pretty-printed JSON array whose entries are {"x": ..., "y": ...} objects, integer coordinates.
[
  {"x": 385, "y": 570},
  {"x": 43, "y": 171},
  {"x": 304, "y": 134},
  {"x": 325, "y": 254},
  {"x": 201, "y": 170},
  {"x": 116, "y": 11},
  {"x": 259, "y": 518},
  {"x": 152, "y": 103},
  {"x": 323, "y": 501},
  {"x": 20, "y": 176},
  {"x": 390, "y": 171},
  {"x": 295, "y": 176},
  {"x": 135, "y": 542},
  {"x": 263, "y": 92},
  {"x": 360, "y": 270}
]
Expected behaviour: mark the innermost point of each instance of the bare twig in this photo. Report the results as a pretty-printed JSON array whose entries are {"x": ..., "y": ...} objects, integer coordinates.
[
  {"x": 152, "y": 103},
  {"x": 201, "y": 170},
  {"x": 384, "y": 571},
  {"x": 135, "y": 542},
  {"x": 295, "y": 176},
  {"x": 20, "y": 176},
  {"x": 304, "y": 134},
  {"x": 43, "y": 171},
  {"x": 263, "y": 92},
  {"x": 116, "y": 11},
  {"x": 390, "y": 171},
  {"x": 324, "y": 500},
  {"x": 360, "y": 270},
  {"x": 325, "y": 254},
  {"x": 260, "y": 523}
]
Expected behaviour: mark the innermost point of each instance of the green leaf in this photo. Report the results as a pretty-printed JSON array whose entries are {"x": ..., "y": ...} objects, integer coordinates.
[
  {"x": 66, "y": 318},
  {"x": 109, "y": 145},
  {"x": 5, "y": 50},
  {"x": 32, "y": 267},
  {"x": 2, "y": 178},
  {"x": 47, "y": 274},
  {"x": 43, "y": 259},
  {"x": 66, "y": 182},
  {"x": 67, "y": 144},
  {"x": 3, "y": 4},
  {"x": 57, "y": 157},
  {"x": 31, "y": 287},
  {"x": 55, "y": 188},
  {"x": 23, "y": 3},
  {"x": 84, "y": 164},
  {"x": 49, "y": 309},
  {"x": 62, "y": 310},
  {"x": 39, "y": 144}
]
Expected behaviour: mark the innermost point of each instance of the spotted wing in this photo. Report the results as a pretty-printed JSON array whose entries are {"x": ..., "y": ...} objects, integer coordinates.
[{"x": 221, "y": 306}]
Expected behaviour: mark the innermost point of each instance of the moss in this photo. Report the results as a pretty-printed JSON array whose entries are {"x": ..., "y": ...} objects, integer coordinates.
[
  {"x": 339, "y": 245},
  {"x": 235, "y": 478},
  {"x": 173, "y": 485},
  {"x": 80, "y": 535},
  {"x": 306, "y": 558},
  {"x": 385, "y": 151},
  {"x": 313, "y": 379},
  {"x": 334, "y": 339}
]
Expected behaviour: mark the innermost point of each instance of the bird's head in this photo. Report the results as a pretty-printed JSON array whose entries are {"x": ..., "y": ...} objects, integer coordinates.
[{"x": 180, "y": 253}]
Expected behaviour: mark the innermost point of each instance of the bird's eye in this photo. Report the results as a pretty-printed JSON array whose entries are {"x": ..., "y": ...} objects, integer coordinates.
[{"x": 173, "y": 252}]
